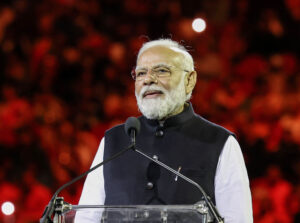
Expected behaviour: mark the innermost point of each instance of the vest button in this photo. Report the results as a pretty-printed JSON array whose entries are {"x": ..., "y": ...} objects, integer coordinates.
[
  {"x": 149, "y": 185},
  {"x": 159, "y": 133}
]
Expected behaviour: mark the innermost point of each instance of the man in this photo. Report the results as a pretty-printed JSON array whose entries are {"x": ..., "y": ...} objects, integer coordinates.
[{"x": 173, "y": 133}]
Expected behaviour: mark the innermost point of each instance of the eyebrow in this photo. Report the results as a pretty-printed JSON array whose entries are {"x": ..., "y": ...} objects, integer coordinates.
[{"x": 155, "y": 66}]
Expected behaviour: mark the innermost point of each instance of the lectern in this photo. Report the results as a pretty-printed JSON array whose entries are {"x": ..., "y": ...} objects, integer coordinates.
[{"x": 67, "y": 213}]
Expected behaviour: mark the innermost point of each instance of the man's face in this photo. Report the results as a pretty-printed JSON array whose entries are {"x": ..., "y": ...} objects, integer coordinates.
[{"x": 160, "y": 96}]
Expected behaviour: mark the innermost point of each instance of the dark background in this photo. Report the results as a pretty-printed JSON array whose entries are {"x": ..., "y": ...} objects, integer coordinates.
[{"x": 65, "y": 78}]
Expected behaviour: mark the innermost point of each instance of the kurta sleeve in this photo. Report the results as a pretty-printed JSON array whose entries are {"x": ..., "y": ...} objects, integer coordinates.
[
  {"x": 232, "y": 191},
  {"x": 93, "y": 192}
]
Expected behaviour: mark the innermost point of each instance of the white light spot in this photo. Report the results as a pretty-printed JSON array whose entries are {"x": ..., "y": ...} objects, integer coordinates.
[
  {"x": 8, "y": 208},
  {"x": 198, "y": 25}
]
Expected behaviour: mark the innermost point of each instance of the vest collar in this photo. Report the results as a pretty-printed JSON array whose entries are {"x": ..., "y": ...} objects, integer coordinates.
[{"x": 178, "y": 119}]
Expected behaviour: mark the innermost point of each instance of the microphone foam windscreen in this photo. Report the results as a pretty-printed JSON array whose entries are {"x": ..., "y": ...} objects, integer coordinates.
[{"x": 132, "y": 123}]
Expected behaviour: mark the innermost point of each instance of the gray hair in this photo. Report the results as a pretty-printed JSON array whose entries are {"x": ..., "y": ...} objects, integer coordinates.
[{"x": 188, "y": 59}]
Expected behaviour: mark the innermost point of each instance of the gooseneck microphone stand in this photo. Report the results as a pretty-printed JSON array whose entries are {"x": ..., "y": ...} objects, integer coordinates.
[
  {"x": 48, "y": 212},
  {"x": 132, "y": 127},
  {"x": 207, "y": 199}
]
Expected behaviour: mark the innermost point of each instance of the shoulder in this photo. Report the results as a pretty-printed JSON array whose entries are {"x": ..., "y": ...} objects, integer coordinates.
[
  {"x": 208, "y": 130},
  {"x": 212, "y": 125},
  {"x": 116, "y": 128}
]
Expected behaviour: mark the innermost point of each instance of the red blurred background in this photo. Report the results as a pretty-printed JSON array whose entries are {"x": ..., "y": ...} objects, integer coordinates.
[{"x": 65, "y": 78}]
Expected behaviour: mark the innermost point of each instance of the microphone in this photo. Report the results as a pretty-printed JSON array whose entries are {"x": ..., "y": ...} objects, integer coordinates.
[
  {"x": 207, "y": 199},
  {"x": 132, "y": 128}
]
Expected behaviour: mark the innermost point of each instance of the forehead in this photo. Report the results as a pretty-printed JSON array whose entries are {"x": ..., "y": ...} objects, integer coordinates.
[{"x": 160, "y": 55}]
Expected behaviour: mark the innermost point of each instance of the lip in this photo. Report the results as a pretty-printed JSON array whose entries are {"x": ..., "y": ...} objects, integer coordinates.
[{"x": 152, "y": 94}]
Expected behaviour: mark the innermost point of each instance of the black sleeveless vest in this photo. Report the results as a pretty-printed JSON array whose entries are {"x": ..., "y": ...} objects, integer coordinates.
[{"x": 185, "y": 142}]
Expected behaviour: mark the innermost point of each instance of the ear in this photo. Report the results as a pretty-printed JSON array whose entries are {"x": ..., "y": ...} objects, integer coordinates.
[{"x": 190, "y": 82}]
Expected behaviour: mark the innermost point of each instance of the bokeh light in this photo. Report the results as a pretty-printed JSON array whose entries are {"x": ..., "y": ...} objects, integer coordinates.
[
  {"x": 199, "y": 25},
  {"x": 7, "y": 208}
]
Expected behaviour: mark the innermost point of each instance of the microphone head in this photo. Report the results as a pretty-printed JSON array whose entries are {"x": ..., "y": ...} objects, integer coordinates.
[{"x": 132, "y": 123}]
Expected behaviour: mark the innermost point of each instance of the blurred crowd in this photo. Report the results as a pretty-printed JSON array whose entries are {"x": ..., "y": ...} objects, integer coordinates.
[{"x": 65, "y": 78}]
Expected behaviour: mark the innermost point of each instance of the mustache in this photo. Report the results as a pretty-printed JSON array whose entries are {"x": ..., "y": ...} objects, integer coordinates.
[{"x": 151, "y": 88}]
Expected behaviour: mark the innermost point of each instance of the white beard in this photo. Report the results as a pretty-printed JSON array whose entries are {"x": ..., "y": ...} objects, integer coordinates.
[{"x": 159, "y": 108}]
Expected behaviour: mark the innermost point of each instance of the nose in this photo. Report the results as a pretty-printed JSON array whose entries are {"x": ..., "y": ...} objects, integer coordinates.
[{"x": 150, "y": 78}]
